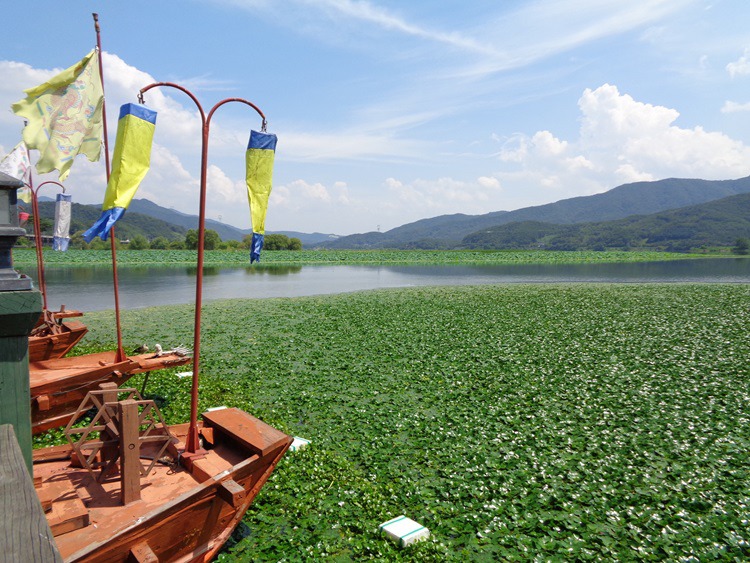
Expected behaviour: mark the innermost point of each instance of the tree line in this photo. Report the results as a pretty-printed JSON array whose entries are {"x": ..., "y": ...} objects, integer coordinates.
[{"x": 211, "y": 241}]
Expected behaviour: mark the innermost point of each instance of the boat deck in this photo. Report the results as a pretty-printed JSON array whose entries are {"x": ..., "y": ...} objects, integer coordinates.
[
  {"x": 58, "y": 386},
  {"x": 183, "y": 508}
]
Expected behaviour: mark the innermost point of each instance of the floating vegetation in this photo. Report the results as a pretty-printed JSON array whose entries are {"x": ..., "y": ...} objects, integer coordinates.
[
  {"x": 23, "y": 257},
  {"x": 546, "y": 422}
]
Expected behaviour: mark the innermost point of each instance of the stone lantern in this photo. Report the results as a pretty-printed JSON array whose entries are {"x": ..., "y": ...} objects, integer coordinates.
[
  {"x": 10, "y": 280},
  {"x": 20, "y": 308}
]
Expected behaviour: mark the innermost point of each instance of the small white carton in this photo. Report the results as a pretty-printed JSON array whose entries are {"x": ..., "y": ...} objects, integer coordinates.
[
  {"x": 298, "y": 444},
  {"x": 404, "y": 531}
]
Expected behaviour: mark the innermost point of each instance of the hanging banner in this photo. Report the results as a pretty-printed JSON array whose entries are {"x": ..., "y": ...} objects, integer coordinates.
[
  {"x": 64, "y": 116},
  {"x": 261, "y": 150},
  {"x": 130, "y": 163},
  {"x": 62, "y": 222}
]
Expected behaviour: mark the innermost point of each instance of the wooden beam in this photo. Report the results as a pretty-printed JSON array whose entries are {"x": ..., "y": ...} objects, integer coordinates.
[
  {"x": 24, "y": 532},
  {"x": 130, "y": 452}
]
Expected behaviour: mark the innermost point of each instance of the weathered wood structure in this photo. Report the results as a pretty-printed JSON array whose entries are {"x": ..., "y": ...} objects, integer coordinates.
[
  {"x": 125, "y": 490},
  {"x": 58, "y": 386},
  {"x": 53, "y": 338},
  {"x": 24, "y": 532}
]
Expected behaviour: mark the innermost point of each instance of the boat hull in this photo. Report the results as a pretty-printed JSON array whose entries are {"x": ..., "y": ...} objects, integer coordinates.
[
  {"x": 56, "y": 345},
  {"x": 184, "y": 514}
]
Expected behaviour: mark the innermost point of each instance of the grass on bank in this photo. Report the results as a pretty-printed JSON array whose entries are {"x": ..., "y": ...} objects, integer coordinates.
[
  {"x": 27, "y": 257},
  {"x": 554, "y": 422}
]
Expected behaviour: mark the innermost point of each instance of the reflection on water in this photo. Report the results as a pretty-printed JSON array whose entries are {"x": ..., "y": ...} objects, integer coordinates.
[
  {"x": 90, "y": 288},
  {"x": 272, "y": 270}
]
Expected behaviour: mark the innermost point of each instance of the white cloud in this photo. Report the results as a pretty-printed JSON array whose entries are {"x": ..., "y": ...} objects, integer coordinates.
[
  {"x": 733, "y": 107},
  {"x": 620, "y": 140},
  {"x": 741, "y": 66},
  {"x": 488, "y": 182}
]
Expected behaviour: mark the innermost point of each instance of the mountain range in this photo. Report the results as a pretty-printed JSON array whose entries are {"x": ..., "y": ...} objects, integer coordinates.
[
  {"x": 151, "y": 220},
  {"x": 672, "y": 214},
  {"x": 639, "y": 198}
]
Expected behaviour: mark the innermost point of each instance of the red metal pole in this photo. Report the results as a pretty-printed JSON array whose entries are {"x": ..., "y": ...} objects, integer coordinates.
[
  {"x": 120, "y": 356},
  {"x": 192, "y": 444},
  {"x": 39, "y": 255},
  {"x": 38, "y": 236}
]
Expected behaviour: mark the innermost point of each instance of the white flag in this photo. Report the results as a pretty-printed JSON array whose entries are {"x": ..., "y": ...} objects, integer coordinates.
[{"x": 16, "y": 163}]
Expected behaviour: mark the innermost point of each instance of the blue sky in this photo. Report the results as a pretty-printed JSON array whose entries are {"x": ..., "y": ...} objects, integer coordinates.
[{"x": 389, "y": 112}]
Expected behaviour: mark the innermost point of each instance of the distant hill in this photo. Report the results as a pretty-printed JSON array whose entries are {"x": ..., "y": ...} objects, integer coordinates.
[
  {"x": 84, "y": 216},
  {"x": 716, "y": 223},
  {"x": 640, "y": 198},
  {"x": 151, "y": 220}
]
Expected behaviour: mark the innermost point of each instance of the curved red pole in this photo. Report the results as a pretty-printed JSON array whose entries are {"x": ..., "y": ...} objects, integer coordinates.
[
  {"x": 192, "y": 442},
  {"x": 38, "y": 237}
]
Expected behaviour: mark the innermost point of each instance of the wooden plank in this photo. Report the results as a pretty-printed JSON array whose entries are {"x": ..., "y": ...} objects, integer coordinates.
[
  {"x": 130, "y": 452},
  {"x": 68, "y": 513},
  {"x": 244, "y": 428},
  {"x": 24, "y": 532},
  {"x": 142, "y": 553},
  {"x": 232, "y": 492}
]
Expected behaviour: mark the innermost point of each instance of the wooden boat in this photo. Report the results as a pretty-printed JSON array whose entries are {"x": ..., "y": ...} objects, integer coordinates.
[
  {"x": 58, "y": 386},
  {"x": 129, "y": 487},
  {"x": 162, "y": 504},
  {"x": 53, "y": 338}
]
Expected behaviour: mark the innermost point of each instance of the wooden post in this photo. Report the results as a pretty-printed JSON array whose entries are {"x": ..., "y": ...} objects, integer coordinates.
[
  {"x": 130, "y": 455},
  {"x": 109, "y": 452},
  {"x": 19, "y": 311},
  {"x": 25, "y": 534}
]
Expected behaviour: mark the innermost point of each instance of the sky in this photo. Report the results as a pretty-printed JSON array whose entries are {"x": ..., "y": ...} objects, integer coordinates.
[{"x": 388, "y": 112}]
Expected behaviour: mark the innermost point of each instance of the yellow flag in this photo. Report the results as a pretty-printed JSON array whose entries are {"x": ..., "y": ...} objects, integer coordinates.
[
  {"x": 261, "y": 150},
  {"x": 130, "y": 163},
  {"x": 65, "y": 116}
]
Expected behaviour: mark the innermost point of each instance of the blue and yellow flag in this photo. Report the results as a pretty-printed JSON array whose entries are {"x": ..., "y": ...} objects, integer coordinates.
[
  {"x": 65, "y": 116},
  {"x": 258, "y": 175},
  {"x": 130, "y": 162}
]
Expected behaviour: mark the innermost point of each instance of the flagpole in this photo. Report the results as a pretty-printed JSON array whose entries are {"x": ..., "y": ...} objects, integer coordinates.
[
  {"x": 37, "y": 233},
  {"x": 112, "y": 242}
]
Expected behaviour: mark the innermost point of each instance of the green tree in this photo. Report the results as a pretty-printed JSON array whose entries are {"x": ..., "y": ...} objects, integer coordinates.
[
  {"x": 230, "y": 245},
  {"x": 742, "y": 247},
  {"x": 139, "y": 242},
  {"x": 191, "y": 239},
  {"x": 160, "y": 243},
  {"x": 211, "y": 240},
  {"x": 99, "y": 244},
  {"x": 295, "y": 244},
  {"x": 177, "y": 245},
  {"x": 276, "y": 242}
]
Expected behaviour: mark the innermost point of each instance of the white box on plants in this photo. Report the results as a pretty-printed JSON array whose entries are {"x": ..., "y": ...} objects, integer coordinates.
[
  {"x": 404, "y": 531},
  {"x": 298, "y": 444}
]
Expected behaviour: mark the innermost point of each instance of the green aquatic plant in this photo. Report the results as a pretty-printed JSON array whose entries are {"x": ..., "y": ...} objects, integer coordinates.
[{"x": 548, "y": 422}]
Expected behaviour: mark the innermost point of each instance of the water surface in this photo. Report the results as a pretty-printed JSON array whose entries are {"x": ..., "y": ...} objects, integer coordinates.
[{"x": 90, "y": 288}]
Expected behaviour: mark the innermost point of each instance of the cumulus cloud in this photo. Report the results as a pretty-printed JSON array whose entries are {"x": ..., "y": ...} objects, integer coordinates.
[
  {"x": 741, "y": 66},
  {"x": 733, "y": 107},
  {"x": 621, "y": 140}
]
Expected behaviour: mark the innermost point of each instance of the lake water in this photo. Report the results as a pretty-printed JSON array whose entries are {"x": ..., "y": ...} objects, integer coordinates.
[{"x": 90, "y": 289}]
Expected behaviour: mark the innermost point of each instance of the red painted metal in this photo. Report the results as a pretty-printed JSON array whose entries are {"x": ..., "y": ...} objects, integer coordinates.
[
  {"x": 120, "y": 352},
  {"x": 38, "y": 236},
  {"x": 192, "y": 442}
]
